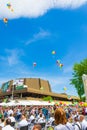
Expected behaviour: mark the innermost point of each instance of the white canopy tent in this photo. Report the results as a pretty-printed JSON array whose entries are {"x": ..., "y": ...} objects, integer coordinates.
[
  {"x": 3, "y": 104},
  {"x": 25, "y": 103}
]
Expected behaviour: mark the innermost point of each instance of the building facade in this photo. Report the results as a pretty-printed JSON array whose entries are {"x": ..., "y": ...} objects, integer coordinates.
[{"x": 30, "y": 88}]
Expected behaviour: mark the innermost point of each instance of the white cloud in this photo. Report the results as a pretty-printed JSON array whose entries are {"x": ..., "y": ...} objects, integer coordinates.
[
  {"x": 41, "y": 34},
  {"x": 11, "y": 57},
  {"x": 35, "y": 8}
]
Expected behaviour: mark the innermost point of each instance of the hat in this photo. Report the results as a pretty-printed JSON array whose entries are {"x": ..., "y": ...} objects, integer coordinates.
[{"x": 76, "y": 117}]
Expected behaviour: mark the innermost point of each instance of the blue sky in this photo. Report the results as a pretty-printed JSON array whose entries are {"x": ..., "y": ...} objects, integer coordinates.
[{"x": 31, "y": 35}]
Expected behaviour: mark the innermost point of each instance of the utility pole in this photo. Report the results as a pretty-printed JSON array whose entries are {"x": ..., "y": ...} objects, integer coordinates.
[{"x": 12, "y": 92}]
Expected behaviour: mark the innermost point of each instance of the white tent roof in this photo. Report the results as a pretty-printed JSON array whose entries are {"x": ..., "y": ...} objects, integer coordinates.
[{"x": 25, "y": 103}]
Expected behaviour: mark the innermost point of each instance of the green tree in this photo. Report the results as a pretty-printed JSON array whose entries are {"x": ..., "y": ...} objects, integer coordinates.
[
  {"x": 48, "y": 98},
  {"x": 78, "y": 70}
]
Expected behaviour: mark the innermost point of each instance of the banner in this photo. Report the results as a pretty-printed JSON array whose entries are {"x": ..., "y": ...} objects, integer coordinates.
[
  {"x": 5, "y": 87},
  {"x": 18, "y": 82}
]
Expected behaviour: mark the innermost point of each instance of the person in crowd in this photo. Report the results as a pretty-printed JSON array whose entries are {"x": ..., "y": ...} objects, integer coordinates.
[
  {"x": 1, "y": 114},
  {"x": 41, "y": 119},
  {"x": 2, "y": 124},
  {"x": 5, "y": 113},
  {"x": 45, "y": 112},
  {"x": 13, "y": 121},
  {"x": 61, "y": 121},
  {"x": 10, "y": 111},
  {"x": 8, "y": 125},
  {"x": 12, "y": 118},
  {"x": 22, "y": 123},
  {"x": 18, "y": 115},
  {"x": 37, "y": 127},
  {"x": 86, "y": 111},
  {"x": 31, "y": 118},
  {"x": 51, "y": 119},
  {"x": 76, "y": 124},
  {"x": 83, "y": 111},
  {"x": 36, "y": 112},
  {"x": 83, "y": 122},
  {"x": 67, "y": 114}
]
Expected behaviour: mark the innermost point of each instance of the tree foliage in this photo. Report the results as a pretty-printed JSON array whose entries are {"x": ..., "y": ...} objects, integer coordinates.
[
  {"x": 48, "y": 98},
  {"x": 78, "y": 70}
]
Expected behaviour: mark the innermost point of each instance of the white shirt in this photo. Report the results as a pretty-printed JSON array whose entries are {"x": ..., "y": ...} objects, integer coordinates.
[
  {"x": 2, "y": 124},
  {"x": 84, "y": 124},
  {"x": 12, "y": 118},
  {"x": 39, "y": 116},
  {"x": 7, "y": 127},
  {"x": 60, "y": 127},
  {"x": 64, "y": 127},
  {"x": 10, "y": 111},
  {"x": 86, "y": 110},
  {"x": 22, "y": 123},
  {"x": 77, "y": 126},
  {"x": 41, "y": 120},
  {"x": 31, "y": 118},
  {"x": 51, "y": 120}
]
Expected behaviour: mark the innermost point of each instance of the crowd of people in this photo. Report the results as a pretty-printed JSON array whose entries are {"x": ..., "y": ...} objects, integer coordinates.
[{"x": 55, "y": 117}]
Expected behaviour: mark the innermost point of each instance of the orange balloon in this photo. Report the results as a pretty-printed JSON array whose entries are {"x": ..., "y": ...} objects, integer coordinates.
[{"x": 5, "y": 20}]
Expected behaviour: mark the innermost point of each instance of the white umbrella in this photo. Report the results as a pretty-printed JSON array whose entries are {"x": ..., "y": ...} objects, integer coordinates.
[{"x": 3, "y": 104}]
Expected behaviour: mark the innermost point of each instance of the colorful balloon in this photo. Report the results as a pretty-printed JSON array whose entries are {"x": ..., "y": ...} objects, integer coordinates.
[
  {"x": 5, "y": 20},
  {"x": 9, "y": 5},
  {"x": 64, "y": 88},
  {"x": 59, "y": 63},
  {"x": 53, "y": 52},
  {"x": 34, "y": 64},
  {"x": 60, "y": 103}
]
